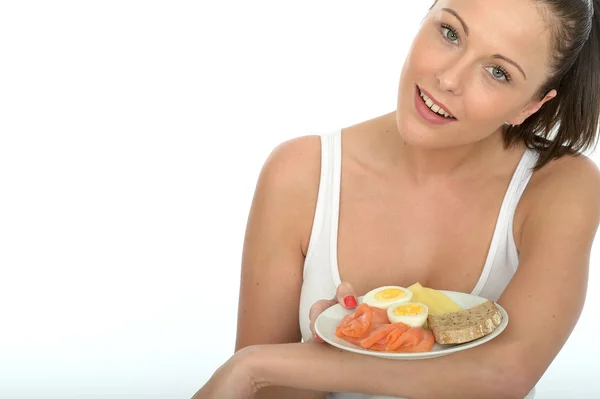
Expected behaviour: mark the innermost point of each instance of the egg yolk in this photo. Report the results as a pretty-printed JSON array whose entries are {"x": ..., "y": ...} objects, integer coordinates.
[
  {"x": 389, "y": 294},
  {"x": 408, "y": 310}
]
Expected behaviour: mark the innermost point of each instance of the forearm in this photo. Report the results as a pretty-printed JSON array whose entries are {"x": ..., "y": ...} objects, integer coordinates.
[
  {"x": 275, "y": 392},
  {"x": 469, "y": 374}
]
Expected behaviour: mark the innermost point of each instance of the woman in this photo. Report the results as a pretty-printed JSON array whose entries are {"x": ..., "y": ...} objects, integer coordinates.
[{"x": 476, "y": 183}]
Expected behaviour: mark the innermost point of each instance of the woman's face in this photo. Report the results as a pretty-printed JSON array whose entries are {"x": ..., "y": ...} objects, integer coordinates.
[{"x": 480, "y": 61}]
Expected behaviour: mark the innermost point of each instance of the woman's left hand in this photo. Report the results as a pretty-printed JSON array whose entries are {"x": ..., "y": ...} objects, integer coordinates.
[{"x": 233, "y": 380}]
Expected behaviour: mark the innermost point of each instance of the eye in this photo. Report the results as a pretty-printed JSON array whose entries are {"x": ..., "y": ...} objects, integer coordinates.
[
  {"x": 450, "y": 33},
  {"x": 498, "y": 73}
]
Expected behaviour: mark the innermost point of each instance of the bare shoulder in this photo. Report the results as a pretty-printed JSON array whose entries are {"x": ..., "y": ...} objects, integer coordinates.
[
  {"x": 561, "y": 212},
  {"x": 570, "y": 167},
  {"x": 294, "y": 164},
  {"x": 291, "y": 176},
  {"x": 571, "y": 182}
]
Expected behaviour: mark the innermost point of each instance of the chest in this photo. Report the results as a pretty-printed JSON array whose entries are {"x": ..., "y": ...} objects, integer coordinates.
[{"x": 398, "y": 236}]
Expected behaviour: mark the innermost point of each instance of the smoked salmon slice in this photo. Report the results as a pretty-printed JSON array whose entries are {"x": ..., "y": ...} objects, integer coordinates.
[
  {"x": 381, "y": 334},
  {"x": 415, "y": 339},
  {"x": 379, "y": 317},
  {"x": 355, "y": 324}
]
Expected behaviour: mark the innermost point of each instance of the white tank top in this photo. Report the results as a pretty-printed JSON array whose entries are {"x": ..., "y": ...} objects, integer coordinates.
[{"x": 321, "y": 275}]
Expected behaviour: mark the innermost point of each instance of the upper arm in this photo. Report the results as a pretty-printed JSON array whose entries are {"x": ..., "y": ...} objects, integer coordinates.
[
  {"x": 546, "y": 295},
  {"x": 272, "y": 261}
]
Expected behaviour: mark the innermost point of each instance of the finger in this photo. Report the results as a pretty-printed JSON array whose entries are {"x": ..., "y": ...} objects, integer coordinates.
[
  {"x": 346, "y": 296},
  {"x": 315, "y": 310},
  {"x": 318, "y": 307}
]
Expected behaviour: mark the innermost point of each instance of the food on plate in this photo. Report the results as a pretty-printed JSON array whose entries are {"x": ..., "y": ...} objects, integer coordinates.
[
  {"x": 355, "y": 324},
  {"x": 398, "y": 337},
  {"x": 384, "y": 297},
  {"x": 414, "y": 340},
  {"x": 412, "y": 314},
  {"x": 465, "y": 325},
  {"x": 364, "y": 319},
  {"x": 379, "y": 317},
  {"x": 370, "y": 328},
  {"x": 436, "y": 301},
  {"x": 414, "y": 319},
  {"x": 380, "y": 336}
]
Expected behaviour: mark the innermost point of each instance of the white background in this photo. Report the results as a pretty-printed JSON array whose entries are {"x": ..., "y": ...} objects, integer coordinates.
[{"x": 131, "y": 137}]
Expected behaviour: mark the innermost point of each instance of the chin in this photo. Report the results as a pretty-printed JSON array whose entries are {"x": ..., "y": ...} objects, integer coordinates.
[{"x": 417, "y": 135}]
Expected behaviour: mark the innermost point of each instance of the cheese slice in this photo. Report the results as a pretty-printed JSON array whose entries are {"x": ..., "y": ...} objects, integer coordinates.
[{"x": 436, "y": 301}]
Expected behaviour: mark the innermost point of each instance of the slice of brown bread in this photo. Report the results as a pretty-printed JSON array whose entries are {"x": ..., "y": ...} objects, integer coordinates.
[{"x": 465, "y": 325}]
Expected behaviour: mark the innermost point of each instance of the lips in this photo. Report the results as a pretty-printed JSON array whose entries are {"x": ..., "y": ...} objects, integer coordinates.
[{"x": 439, "y": 103}]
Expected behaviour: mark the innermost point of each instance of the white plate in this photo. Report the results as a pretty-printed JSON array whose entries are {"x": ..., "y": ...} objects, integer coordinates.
[{"x": 328, "y": 320}]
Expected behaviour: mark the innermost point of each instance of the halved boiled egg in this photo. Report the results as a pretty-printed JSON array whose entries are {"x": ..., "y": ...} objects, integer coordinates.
[
  {"x": 413, "y": 314},
  {"x": 384, "y": 297}
]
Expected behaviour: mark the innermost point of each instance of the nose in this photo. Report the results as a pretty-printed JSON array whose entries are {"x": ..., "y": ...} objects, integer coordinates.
[{"x": 451, "y": 77}]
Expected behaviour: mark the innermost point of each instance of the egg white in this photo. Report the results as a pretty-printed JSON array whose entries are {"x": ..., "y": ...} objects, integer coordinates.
[
  {"x": 412, "y": 320},
  {"x": 370, "y": 297}
]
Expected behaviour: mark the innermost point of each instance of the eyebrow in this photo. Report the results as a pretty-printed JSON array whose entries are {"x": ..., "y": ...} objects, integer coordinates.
[
  {"x": 462, "y": 22},
  {"x": 499, "y": 56}
]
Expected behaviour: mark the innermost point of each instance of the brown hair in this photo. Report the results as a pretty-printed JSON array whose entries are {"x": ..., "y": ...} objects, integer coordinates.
[{"x": 568, "y": 123}]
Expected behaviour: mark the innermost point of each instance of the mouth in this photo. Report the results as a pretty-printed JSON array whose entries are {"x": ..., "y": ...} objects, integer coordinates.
[{"x": 434, "y": 105}]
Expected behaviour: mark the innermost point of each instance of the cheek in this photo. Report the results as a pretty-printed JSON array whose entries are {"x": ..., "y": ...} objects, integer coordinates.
[
  {"x": 485, "y": 106},
  {"x": 426, "y": 52}
]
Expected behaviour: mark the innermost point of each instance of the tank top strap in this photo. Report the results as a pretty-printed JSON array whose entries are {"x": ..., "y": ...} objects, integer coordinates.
[
  {"x": 324, "y": 228},
  {"x": 524, "y": 173},
  {"x": 335, "y": 205},
  {"x": 502, "y": 237}
]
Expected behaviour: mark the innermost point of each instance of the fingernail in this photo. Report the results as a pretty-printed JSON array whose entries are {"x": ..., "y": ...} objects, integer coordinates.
[
  {"x": 317, "y": 338},
  {"x": 350, "y": 301}
]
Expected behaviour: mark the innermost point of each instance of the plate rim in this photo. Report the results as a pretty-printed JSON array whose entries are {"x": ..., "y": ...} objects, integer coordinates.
[{"x": 421, "y": 355}]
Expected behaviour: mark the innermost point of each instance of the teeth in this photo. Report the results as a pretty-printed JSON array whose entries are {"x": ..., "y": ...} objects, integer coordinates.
[{"x": 434, "y": 107}]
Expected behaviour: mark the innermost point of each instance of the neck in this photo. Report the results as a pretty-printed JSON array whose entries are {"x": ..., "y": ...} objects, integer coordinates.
[{"x": 425, "y": 166}]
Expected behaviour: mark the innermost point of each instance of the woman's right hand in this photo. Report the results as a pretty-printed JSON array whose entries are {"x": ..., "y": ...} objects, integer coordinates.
[{"x": 344, "y": 295}]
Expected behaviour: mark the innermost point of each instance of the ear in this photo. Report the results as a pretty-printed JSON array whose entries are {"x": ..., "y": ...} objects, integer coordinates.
[{"x": 532, "y": 108}]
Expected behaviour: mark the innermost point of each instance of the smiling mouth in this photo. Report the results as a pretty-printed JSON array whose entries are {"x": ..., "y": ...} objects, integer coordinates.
[{"x": 433, "y": 106}]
